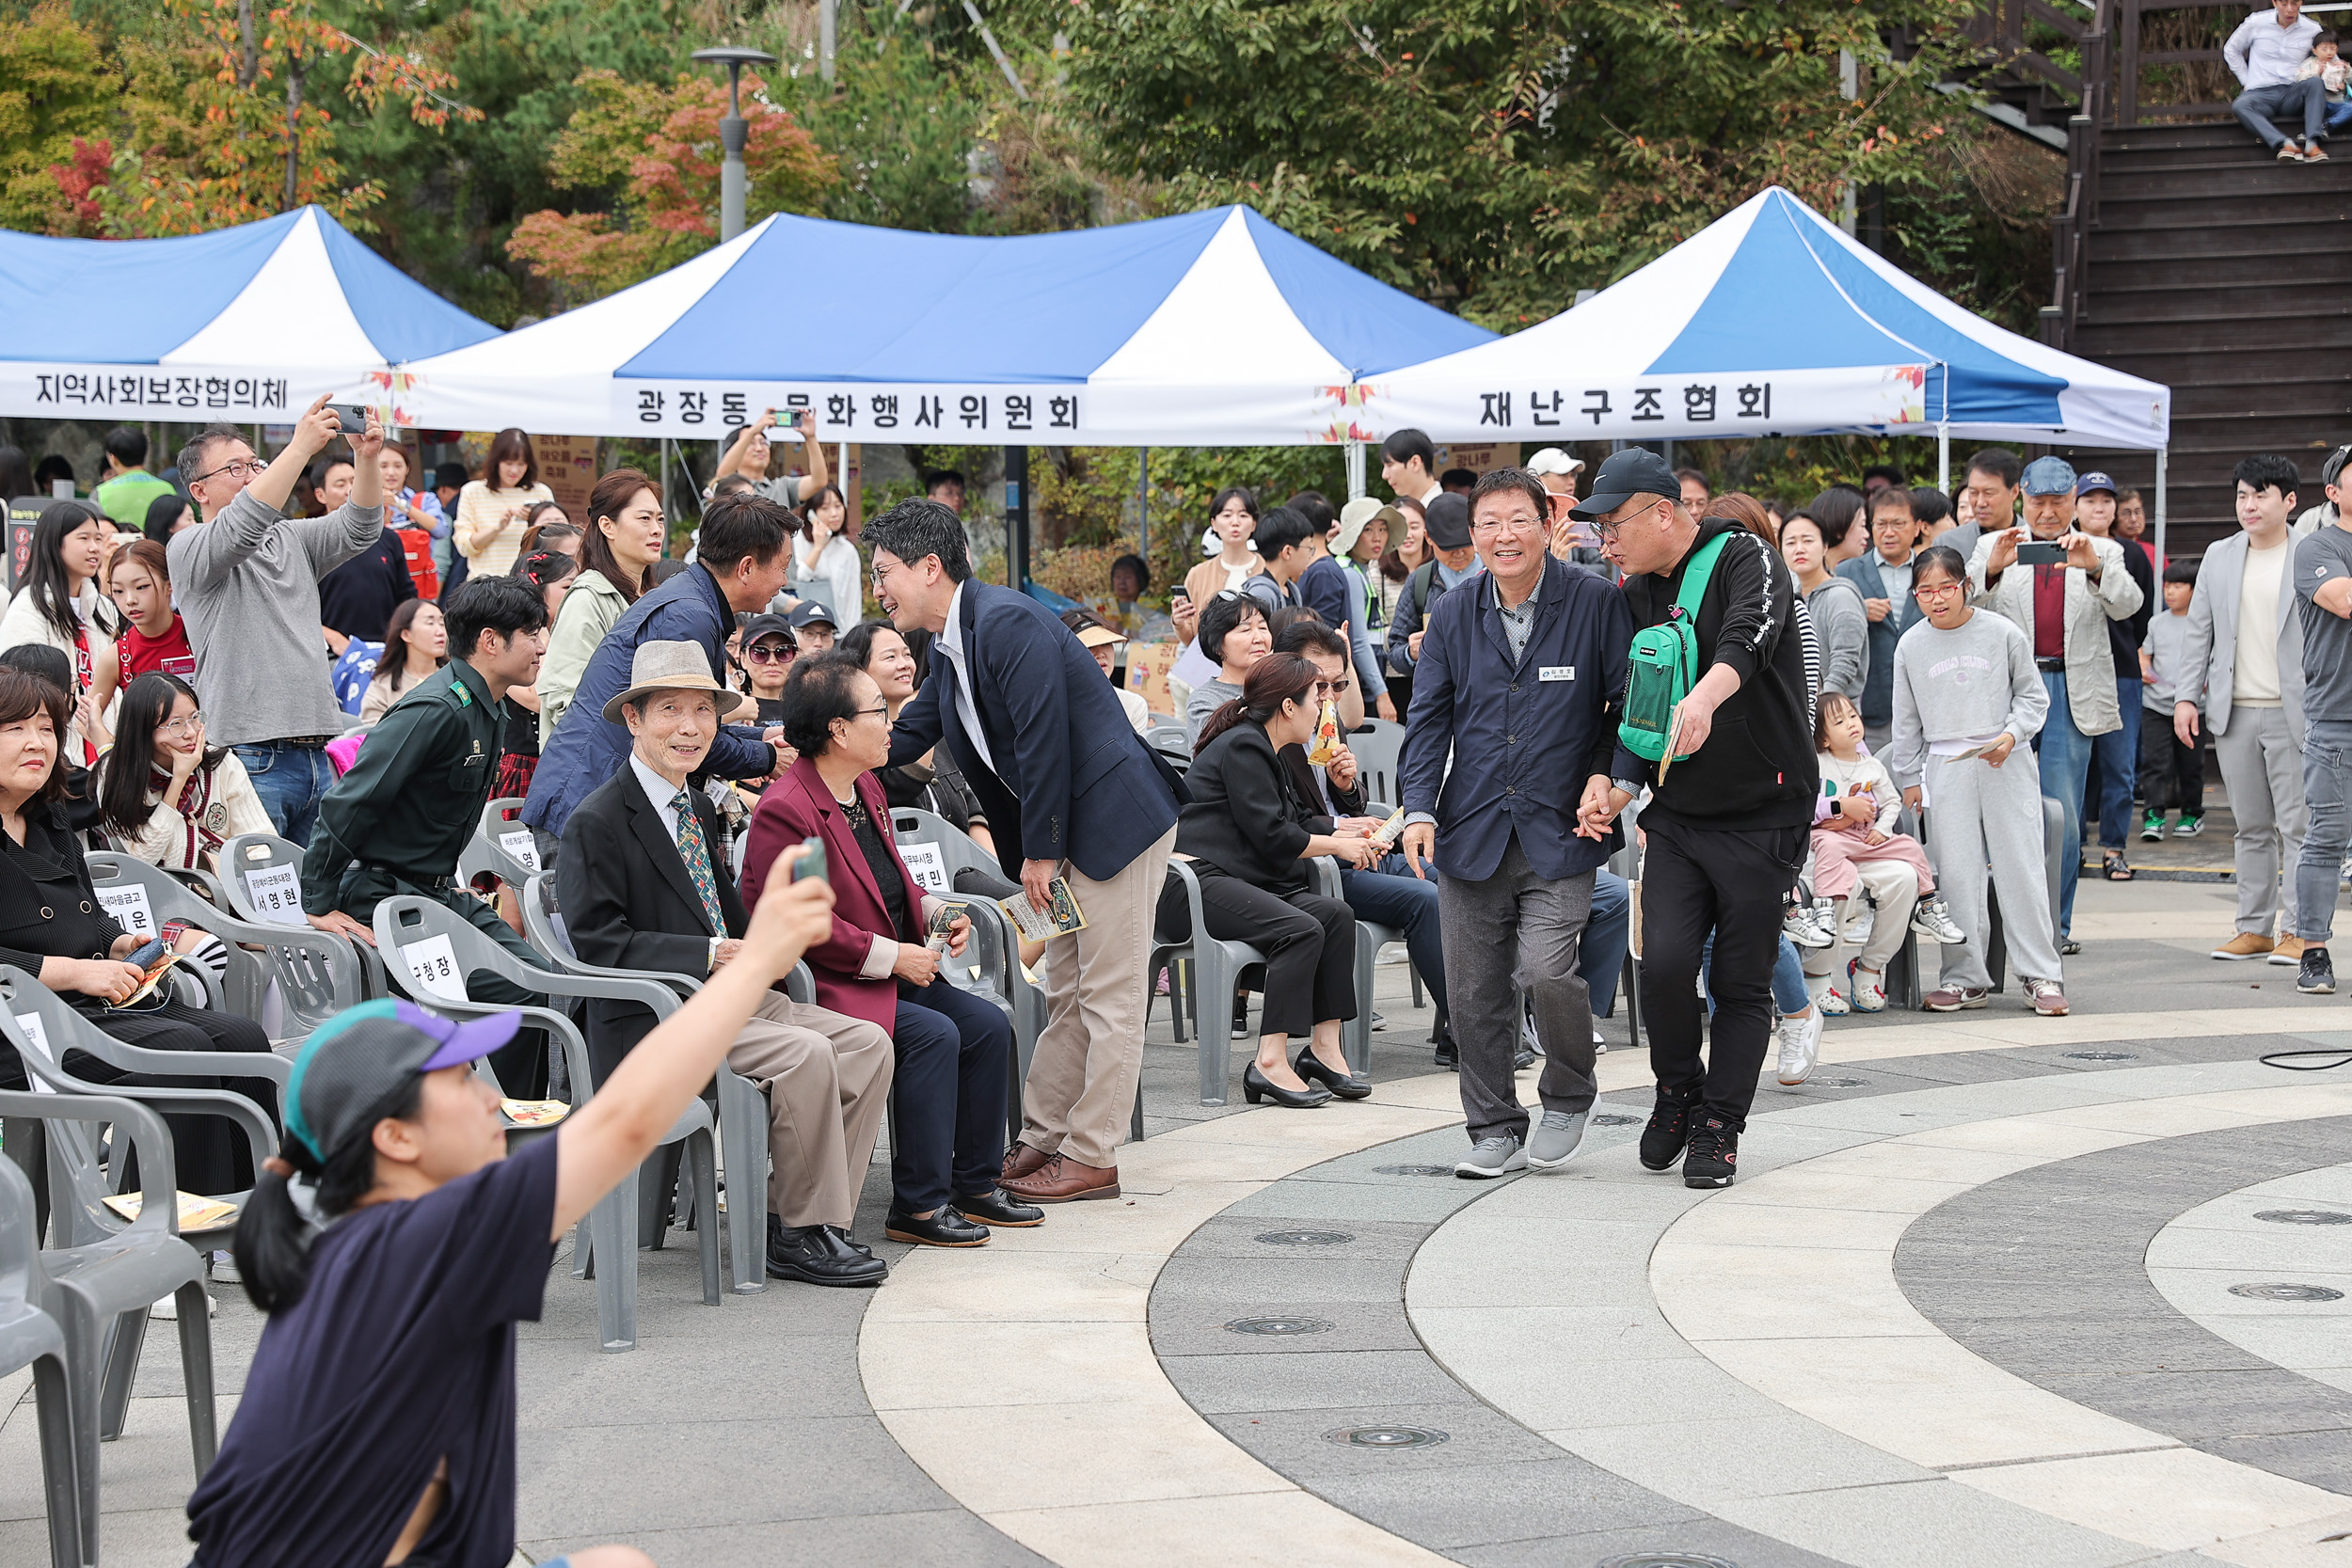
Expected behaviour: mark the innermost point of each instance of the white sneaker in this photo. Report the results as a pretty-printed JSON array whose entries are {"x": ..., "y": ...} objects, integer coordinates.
[
  {"x": 225, "y": 1269},
  {"x": 167, "y": 1309},
  {"x": 1800, "y": 1046},
  {"x": 1932, "y": 918},
  {"x": 1869, "y": 990},
  {"x": 1803, "y": 928},
  {"x": 1858, "y": 925},
  {"x": 1600, "y": 1046}
]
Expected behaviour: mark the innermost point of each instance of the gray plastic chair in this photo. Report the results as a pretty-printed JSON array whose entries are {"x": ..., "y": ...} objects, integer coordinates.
[
  {"x": 743, "y": 1108},
  {"x": 30, "y": 1336},
  {"x": 99, "y": 1291},
  {"x": 1218, "y": 968},
  {"x": 1371, "y": 936},
  {"x": 1167, "y": 737},
  {"x": 495, "y": 848},
  {"x": 613, "y": 1225},
  {"x": 318, "y": 978},
  {"x": 1379, "y": 747}
]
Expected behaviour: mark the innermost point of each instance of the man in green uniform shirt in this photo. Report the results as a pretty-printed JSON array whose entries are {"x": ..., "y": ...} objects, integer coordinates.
[
  {"x": 127, "y": 487},
  {"x": 395, "y": 824}
]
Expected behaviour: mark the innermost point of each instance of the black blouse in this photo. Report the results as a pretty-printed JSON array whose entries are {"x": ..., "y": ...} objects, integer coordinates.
[
  {"x": 1245, "y": 817},
  {"x": 48, "y": 907},
  {"x": 882, "y": 861}
]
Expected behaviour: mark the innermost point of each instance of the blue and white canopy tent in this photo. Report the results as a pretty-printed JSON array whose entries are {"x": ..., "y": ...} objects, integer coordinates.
[
  {"x": 1772, "y": 320},
  {"x": 246, "y": 325},
  {"x": 1212, "y": 328}
]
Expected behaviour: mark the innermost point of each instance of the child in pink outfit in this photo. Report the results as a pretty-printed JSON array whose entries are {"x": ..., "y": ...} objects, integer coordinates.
[{"x": 1852, "y": 851}]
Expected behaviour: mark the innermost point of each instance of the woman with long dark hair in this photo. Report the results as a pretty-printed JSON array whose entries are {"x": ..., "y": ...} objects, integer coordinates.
[
  {"x": 491, "y": 511},
  {"x": 165, "y": 516},
  {"x": 62, "y": 606},
  {"x": 1408, "y": 547},
  {"x": 825, "y": 564},
  {"x": 163, "y": 795},
  {"x": 416, "y": 643},
  {"x": 1233, "y": 523},
  {"x": 1249, "y": 837},
  {"x": 552, "y": 573},
  {"x": 624, "y": 537},
  {"x": 930, "y": 783}
]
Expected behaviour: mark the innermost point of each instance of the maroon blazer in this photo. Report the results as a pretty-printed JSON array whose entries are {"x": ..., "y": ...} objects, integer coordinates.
[{"x": 799, "y": 806}]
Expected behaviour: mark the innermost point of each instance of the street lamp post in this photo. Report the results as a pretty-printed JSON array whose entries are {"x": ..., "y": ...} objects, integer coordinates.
[{"x": 733, "y": 132}]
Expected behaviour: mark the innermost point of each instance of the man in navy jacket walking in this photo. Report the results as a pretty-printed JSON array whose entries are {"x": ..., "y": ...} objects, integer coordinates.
[
  {"x": 1071, "y": 790},
  {"x": 1520, "y": 675}
]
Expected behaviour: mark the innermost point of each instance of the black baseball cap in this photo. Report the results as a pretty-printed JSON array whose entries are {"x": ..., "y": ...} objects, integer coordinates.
[
  {"x": 1448, "y": 522},
  {"x": 812, "y": 612},
  {"x": 757, "y": 626},
  {"x": 1635, "y": 471}
]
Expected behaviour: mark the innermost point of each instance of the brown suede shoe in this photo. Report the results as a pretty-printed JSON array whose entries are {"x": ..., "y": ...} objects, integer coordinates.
[
  {"x": 1020, "y": 1160},
  {"x": 1060, "y": 1180}
]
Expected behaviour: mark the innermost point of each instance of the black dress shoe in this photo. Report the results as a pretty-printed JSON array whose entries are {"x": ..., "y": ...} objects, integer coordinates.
[
  {"x": 1446, "y": 1057},
  {"x": 999, "y": 1207},
  {"x": 1346, "y": 1086},
  {"x": 944, "y": 1227},
  {"x": 1256, "y": 1085},
  {"x": 841, "y": 1234},
  {"x": 819, "y": 1256}
]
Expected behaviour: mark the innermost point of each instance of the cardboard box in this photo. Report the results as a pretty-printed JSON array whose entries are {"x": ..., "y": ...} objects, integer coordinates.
[{"x": 567, "y": 467}]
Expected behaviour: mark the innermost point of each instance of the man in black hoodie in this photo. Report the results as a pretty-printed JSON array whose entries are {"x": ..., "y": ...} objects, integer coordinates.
[{"x": 1726, "y": 824}]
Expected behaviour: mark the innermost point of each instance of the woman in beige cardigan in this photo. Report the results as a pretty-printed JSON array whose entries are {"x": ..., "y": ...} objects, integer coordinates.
[
  {"x": 1234, "y": 517},
  {"x": 626, "y": 535},
  {"x": 493, "y": 511}
]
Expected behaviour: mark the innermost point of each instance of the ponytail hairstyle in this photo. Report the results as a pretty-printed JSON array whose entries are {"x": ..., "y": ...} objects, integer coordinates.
[
  {"x": 122, "y": 786},
  {"x": 273, "y": 1246},
  {"x": 1276, "y": 679}
]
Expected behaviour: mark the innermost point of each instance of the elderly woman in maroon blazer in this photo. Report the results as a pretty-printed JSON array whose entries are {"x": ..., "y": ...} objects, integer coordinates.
[{"x": 954, "y": 1050}]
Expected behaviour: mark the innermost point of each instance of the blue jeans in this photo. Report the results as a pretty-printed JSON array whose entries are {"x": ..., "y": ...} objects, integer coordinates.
[
  {"x": 2327, "y": 755},
  {"x": 1608, "y": 932},
  {"x": 1390, "y": 895},
  {"x": 2116, "y": 757},
  {"x": 1789, "y": 988},
  {"x": 2306, "y": 100},
  {"x": 290, "y": 781},
  {"x": 2065, "y": 761},
  {"x": 2338, "y": 114}
]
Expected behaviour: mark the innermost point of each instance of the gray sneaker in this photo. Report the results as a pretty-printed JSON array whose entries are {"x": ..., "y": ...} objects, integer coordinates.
[
  {"x": 1492, "y": 1157},
  {"x": 1554, "y": 1142}
]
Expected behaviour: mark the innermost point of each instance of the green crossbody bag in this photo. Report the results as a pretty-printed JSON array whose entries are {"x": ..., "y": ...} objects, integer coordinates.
[{"x": 1665, "y": 662}]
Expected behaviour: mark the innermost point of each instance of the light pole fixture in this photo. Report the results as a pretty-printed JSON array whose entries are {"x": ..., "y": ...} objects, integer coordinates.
[{"x": 733, "y": 132}]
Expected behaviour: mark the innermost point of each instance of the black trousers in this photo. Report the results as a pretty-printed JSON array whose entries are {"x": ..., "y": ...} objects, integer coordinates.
[
  {"x": 2170, "y": 774},
  {"x": 1309, "y": 942},
  {"x": 947, "y": 1095},
  {"x": 521, "y": 1065},
  {"x": 208, "y": 1153},
  {"x": 1694, "y": 883}
]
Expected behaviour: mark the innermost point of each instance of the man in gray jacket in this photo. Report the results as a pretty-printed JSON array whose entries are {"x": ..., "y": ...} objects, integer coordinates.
[{"x": 247, "y": 583}]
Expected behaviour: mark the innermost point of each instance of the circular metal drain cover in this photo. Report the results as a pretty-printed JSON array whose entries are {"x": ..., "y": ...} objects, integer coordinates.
[
  {"x": 2102, "y": 1056},
  {"x": 1305, "y": 1238},
  {"x": 1667, "y": 1560},
  {"x": 1413, "y": 1170},
  {"x": 1385, "y": 1437},
  {"x": 1835, "y": 1083},
  {"x": 2286, "y": 1292},
  {"x": 2304, "y": 1216},
  {"x": 1278, "y": 1326},
  {"x": 1613, "y": 1119}
]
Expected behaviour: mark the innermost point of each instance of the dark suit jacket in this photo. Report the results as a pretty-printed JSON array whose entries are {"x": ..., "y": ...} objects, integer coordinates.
[
  {"x": 1245, "y": 817},
  {"x": 628, "y": 904},
  {"x": 1074, "y": 781},
  {"x": 799, "y": 806},
  {"x": 1878, "y": 682}
]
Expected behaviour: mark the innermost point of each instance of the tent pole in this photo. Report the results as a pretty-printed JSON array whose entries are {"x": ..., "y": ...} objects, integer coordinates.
[
  {"x": 1017, "y": 517},
  {"x": 1355, "y": 470},
  {"x": 2162, "y": 454},
  {"x": 665, "y": 476},
  {"x": 1944, "y": 457},
  {"x": 1143, "y": 502}
]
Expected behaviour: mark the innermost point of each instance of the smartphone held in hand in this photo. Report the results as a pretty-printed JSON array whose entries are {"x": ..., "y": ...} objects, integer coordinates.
[{"x": 812, "y": 861}]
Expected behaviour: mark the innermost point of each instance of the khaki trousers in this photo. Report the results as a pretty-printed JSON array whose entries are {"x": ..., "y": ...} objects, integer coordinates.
[
  {"x": 828, "y": 1082},
  {"x": 1082, "y": 1080}
]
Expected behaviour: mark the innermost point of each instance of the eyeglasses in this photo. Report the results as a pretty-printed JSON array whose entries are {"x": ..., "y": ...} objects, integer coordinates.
[
  {"x": 177, "y": 729},
  {"x": 772, "y": 653},
  {"x": 1937, "y": 590},
  {"x": 857, "y": 714},
  {"x": 250, "y": 468}
]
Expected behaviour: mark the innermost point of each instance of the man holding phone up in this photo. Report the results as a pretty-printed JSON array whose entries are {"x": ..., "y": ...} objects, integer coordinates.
[{"x": 2062, "y": 587}]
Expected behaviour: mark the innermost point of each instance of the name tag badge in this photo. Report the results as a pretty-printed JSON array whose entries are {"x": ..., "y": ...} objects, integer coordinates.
[{"x": 1558, "y": 672}]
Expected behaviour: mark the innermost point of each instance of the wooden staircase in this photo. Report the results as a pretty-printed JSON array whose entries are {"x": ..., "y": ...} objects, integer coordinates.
[{"x": 2209, "y": 266}]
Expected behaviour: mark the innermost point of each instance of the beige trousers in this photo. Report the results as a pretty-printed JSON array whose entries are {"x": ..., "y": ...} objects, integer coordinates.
[
  {"x": 828, "y": 1082},
  {"x": 1082, "y": 1080}
]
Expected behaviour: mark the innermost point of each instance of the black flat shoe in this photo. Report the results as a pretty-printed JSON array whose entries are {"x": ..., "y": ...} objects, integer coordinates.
[
  {"x": 999, "y": 1207},
  {"x": 944, "y": 1227},
  {"x": 1343, "y": 1085},
  {"x": 817, "y": 1255},
  {"x": 1255, "y": 1087}
]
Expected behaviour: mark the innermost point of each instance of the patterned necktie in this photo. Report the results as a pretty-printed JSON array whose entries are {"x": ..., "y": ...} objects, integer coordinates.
[{"x": 696, "y": 851}]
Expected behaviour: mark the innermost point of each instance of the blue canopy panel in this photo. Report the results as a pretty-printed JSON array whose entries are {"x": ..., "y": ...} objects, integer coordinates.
[
  {"x": 903, "y": 307},
  {"x": 1365, "y": 323},
  {"x": 404, "y": 318},
  {"x": 1787, "y": 302},
  {"x": 124, "y": 302}
]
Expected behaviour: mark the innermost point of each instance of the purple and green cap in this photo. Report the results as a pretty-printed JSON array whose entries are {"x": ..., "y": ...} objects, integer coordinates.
[{"x": 359, "y": 1059}]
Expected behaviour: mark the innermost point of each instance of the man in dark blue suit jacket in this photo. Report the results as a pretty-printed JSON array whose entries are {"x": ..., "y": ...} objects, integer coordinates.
[
  {"x": 1071, "y": 790},
  {"x": 739, "y": 566},
  {"x": 1518, "y": 679},
  {"x": 1883, "y": 575}
]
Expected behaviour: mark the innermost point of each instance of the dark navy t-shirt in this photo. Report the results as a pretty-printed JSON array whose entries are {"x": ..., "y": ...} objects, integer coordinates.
[{"x": 400, "y": 1353}]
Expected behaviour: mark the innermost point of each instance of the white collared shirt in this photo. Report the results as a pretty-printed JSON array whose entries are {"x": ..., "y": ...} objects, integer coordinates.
[
  {"x": 661, "y": 791},
  {"x": 950, "y": 643}
]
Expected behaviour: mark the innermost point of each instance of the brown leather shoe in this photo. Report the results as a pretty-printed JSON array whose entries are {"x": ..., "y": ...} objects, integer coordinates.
[
  {"x": 1020, "y": 1160},
  {"x": 1060, "y": 1180}
]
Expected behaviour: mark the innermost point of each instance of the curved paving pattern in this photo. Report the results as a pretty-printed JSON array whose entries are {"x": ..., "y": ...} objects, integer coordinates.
[{"x": 2294, "y": 1230}]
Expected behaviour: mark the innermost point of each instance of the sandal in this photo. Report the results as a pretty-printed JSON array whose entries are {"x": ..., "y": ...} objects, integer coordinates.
[{"x": 2117, "y": 871}]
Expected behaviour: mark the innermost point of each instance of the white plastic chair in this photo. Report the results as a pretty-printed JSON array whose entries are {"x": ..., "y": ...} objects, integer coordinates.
[
  {"x": 262, "y": 875},
  {"x": 1379, "y": 747}
]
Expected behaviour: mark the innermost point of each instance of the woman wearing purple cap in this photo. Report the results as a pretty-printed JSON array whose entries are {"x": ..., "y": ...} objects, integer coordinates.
[{"x": 377, "y": 1423}]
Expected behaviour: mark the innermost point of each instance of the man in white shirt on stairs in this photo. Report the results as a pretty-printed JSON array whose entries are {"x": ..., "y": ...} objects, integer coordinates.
[{"x": 2265, "y": 54}]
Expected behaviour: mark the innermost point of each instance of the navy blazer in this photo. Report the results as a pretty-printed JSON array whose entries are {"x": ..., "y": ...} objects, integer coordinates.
[
  {"x": 1524, "y": 738},
  {"x": 587, "y": 749},
  {"x": 1073, "y": 779},
  {"x": 1878, "y": 682}
]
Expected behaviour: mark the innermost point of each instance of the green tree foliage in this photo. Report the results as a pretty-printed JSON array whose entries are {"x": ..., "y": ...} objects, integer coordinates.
[{"x": 55, "y": 89}]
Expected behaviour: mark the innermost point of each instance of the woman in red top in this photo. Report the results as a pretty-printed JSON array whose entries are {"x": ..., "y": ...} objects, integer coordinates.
[{"x": 154, "y": 640}]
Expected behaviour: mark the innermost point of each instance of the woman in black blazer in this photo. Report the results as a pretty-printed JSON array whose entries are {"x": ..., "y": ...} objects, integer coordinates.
[
  {"x": 53, "y": 929},
  {"x": 1249, "y": 837}
]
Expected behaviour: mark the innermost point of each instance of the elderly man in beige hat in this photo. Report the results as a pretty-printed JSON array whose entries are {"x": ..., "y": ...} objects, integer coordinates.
[{"x": 644, "y": 882}]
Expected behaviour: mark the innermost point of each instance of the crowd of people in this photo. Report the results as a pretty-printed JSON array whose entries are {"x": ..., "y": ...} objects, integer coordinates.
[{"x": 1817, "y": 732}]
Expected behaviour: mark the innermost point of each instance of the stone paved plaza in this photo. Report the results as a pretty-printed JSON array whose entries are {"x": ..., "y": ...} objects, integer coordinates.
[{"x": 1991, "y": 1290}]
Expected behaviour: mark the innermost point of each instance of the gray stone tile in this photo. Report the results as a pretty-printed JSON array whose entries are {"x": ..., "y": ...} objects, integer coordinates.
[
  {"x": 2038, "y": 1346},
  {"x": 666, "y": 1378},
  {"x": 1236, "y": 1236},
  {"x": 1764, "y": 1455},
  {"x": 1697, "y": 1534},
  {"x": 1311, "y": 1378},
  {"x": 2316, "y": 1458},
  {"x": 1197, "y": 1328},
  {"x": 941, "y": 1538},
  {"x": 1940, "y": 1523},
  {"x": 1257, "y": 1282},
  {"x": 2195, "y": 1406},
  {"x": 1447, "y": 1510},
  {"x": 1427, "y": 1200},
  {"x": 1292, "y": 1443}
]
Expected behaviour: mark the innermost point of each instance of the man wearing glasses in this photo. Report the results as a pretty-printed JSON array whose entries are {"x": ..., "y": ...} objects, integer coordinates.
[
  {"x": 248, "y": 582},
  {"x": 1726, "y": 822},
  {"x": 1517, "y": 679}
]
